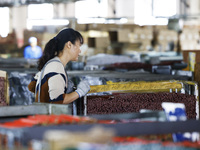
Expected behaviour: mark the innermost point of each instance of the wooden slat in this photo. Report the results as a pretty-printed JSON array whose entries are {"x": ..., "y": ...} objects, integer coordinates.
[{"x": 139, "y": 86}]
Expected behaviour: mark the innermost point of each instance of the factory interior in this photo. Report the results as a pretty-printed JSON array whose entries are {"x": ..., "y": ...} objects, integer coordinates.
[{"x": 141, "y": 59}]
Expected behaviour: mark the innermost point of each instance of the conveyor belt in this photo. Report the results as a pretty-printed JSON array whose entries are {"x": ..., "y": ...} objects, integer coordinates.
[
  {"x": 150, "y": 116},
  {"x": 121, "y": 129},
  {"x": 127, "y": 76},
  {"x": 25, "y": 135},
  {"x": 40, "y": 108}
]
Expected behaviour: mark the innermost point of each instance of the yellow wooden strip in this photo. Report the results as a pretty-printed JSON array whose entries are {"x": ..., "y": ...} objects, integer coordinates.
[{"x": 136, "y": 86}]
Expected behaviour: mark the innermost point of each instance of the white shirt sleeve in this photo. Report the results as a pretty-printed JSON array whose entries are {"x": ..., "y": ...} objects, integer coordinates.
[{"x": 56, "y": 86}]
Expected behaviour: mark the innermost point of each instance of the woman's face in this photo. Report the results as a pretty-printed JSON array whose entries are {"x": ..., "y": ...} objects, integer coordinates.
[{"x": 75, "y": 50}]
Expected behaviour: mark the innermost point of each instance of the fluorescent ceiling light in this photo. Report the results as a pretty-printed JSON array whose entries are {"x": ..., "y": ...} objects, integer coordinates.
[
  {"x": 123, "y": 20},
  {"x": 91, "y": 20},
  {"x": 47, "y": 22},
  {"x": 102, "y": 20}
]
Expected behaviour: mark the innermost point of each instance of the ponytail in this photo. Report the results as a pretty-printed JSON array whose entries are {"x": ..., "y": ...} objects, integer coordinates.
[{"x": 50, "y": 51}]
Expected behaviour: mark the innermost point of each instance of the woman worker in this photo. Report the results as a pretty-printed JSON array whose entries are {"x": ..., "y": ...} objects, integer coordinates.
[{"x": 51, "y": 83}]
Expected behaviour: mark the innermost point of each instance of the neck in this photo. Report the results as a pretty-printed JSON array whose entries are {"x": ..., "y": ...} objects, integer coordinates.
[{"x": 64, "y": 60}]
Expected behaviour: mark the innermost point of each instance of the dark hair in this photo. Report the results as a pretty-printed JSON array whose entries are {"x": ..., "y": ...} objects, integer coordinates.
[{"x": 56, "y": 45}]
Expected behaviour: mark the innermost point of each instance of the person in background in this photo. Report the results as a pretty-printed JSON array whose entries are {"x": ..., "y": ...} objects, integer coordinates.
[
  {"x": 51, "y": 84},
  {"x": 32, "y": 51}
]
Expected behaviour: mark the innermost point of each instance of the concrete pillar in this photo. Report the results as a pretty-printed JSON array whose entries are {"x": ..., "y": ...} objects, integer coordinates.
[
  {"x": 124, "y": 9},
  {"x": 64, "y": 10},
  {"x": 19, "y": 16},
  {"x": 111, "y": 9},
  {"x": 194, "y": 7}
]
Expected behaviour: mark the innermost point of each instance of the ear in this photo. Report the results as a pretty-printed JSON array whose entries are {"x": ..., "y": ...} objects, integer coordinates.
[{"x": 68, "y": 44}]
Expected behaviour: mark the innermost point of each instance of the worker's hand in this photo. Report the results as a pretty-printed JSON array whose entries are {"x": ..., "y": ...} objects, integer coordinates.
[
  {"x": 70, "y": 86},
  {"x": 83, "y": 88}
]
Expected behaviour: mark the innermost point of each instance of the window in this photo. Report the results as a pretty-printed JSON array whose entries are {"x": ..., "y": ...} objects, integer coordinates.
[
  {"x": 156, "y": 12},
  {"x": 91, "y": 11},
  {"x": 146, "y": 12},
  {"x": 143, "y": 12},
  {"x": 42, "y": 15},
  {"x": 40, "y": 11},
  {"x": 4, "y": 25},
  {"x": 165, "y": 8}
]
